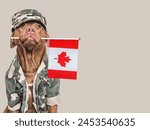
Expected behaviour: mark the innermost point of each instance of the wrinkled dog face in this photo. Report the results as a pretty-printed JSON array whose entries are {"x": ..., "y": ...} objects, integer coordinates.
[{"x": 30, "y": 34}]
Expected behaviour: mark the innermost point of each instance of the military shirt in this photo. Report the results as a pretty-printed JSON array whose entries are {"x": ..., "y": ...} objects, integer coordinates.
[{"x": 45, "y": 90}]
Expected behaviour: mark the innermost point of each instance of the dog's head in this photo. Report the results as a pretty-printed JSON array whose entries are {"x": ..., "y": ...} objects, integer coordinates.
[{"x": 30, "y": 26}]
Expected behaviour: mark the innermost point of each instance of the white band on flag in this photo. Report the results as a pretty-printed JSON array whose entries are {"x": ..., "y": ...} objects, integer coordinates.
[{"x": 53, "y": 59}]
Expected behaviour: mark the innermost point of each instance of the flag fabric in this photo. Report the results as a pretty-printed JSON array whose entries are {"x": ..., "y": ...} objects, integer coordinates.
[{"x": 63, "y": 58}]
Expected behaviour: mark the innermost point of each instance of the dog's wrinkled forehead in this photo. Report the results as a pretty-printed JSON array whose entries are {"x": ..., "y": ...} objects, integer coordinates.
[{"x": 27, "y": 15}]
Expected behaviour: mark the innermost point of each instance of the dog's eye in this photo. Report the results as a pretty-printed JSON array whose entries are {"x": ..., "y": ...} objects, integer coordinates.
[
  {"x": 21, "y": 26},
  {"x": 38, "y": 26}
]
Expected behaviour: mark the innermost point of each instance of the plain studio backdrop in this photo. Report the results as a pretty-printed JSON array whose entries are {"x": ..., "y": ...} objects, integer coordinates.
[{"x": 114, "y": 51}]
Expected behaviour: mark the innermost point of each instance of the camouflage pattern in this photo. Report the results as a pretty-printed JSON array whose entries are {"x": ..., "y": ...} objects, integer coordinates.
[
  {"x": 45, "y": 90},
  {"x": 27, "y": 15}
]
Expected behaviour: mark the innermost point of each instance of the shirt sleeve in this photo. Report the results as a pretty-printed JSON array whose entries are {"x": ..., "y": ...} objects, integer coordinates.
[
  {"x": 12, "y": 96},
  {"x": 52, "y": 91}
]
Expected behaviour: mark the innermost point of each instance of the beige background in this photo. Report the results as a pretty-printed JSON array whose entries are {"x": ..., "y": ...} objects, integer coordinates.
[{"x": 114, "y": 54}]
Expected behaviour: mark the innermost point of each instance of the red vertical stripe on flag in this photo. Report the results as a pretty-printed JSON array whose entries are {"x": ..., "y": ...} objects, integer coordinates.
[
  {"x": 61, "y": 43},
  {"x": 62, "y": 74}
]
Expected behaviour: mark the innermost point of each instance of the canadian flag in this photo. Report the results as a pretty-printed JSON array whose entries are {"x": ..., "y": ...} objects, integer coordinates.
[{"x": 63, "y": 57}]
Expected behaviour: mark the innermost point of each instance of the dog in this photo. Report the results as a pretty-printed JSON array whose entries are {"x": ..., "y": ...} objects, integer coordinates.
[{"x": 27, "y": 86}]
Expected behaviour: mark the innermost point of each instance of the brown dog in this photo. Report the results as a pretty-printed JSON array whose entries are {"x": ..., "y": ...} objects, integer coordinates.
[{"x": 31, "y": 50}]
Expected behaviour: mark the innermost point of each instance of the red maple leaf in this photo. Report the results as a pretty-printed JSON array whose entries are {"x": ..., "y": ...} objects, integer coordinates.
[{"x": 63, "y": 59}]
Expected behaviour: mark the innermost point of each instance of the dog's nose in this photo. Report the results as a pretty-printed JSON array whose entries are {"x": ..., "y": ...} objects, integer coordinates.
[{"x": 30, "y": 30}]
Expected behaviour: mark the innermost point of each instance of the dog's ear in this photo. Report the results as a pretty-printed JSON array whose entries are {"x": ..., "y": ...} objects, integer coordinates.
[
  {"x": 46, "y": 41},
  {"x": 14, "y": 42}
]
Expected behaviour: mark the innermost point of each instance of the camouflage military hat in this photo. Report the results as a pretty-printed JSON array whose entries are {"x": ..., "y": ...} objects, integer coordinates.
[{"x": 27, "y": 15}]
